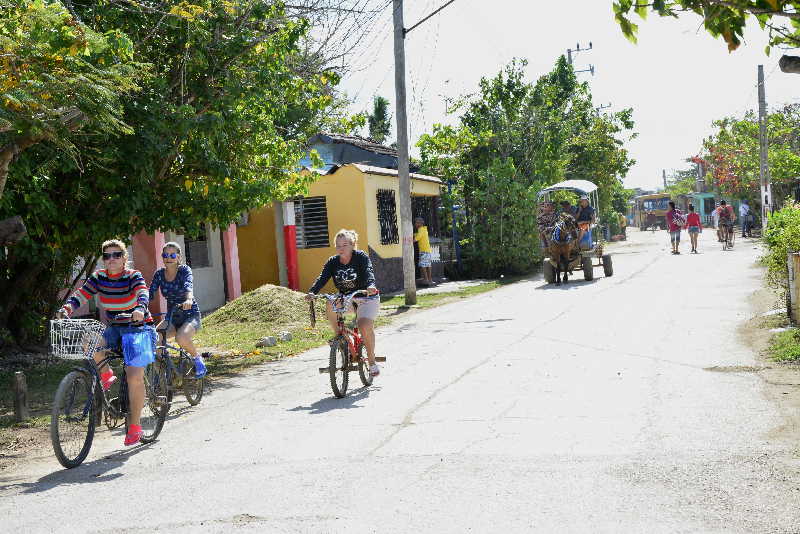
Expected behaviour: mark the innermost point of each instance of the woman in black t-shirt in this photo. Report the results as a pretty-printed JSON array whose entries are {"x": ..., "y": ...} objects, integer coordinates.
[{"x": 351, "y": 271}]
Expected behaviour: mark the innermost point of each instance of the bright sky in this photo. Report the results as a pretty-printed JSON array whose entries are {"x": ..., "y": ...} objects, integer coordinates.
[{"x": 677, "y": 78}]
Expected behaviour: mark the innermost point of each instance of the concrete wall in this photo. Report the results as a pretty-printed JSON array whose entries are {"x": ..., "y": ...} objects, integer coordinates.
[
  {"x": 344, "y": 198},
  {"x": 350, "y": 197},
  {"x": 258, "y": 263},
  {"x": 209, "y": 285}
]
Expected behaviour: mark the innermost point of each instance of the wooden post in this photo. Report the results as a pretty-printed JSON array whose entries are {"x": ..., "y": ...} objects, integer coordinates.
[
  {"x": 404, "y": 179},
  {"x": 20, "y": 397}
]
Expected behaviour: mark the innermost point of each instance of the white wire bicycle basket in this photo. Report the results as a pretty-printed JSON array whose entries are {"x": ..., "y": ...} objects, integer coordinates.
[{"x": 75, "y": 339}]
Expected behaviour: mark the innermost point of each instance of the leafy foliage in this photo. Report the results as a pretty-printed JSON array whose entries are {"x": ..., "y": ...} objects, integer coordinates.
[
  {"x": 58, "y": 76},
  {"x": 781, "y": 236},
  {"x": 218, "y": 123},
  {"x": 732, "y": 154},
  {"x": 380, "y": 120},
  {"x": 721, "y": 18},
  {"x": 514, "y": 138}
]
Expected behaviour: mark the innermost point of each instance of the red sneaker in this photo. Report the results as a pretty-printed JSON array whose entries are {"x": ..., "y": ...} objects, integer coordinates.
[
  {"x": 134, "y": 435},
  {"x": 107, "y": 379}
]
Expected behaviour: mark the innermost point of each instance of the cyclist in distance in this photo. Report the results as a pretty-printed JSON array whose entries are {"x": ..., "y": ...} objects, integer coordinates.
[
  {"x": 182, "y": 320},
  {"x": 351, "y": 271},
  {"x": 726, "y": 217},
  {"x": 123, "y": 295}
]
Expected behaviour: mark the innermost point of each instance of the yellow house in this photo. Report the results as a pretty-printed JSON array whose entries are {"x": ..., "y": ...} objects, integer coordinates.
[{"x": 353, "y": 196}]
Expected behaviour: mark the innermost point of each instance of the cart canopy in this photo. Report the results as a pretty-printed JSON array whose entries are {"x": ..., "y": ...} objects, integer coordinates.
[{"x": 583, "y": 187}]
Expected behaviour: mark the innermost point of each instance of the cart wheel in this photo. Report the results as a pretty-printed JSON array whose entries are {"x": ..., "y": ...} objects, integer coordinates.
[
  {"x": 588, "y": 269},
  {"x": 608, "y": 268},
  {"x": 549, "y": 272}
]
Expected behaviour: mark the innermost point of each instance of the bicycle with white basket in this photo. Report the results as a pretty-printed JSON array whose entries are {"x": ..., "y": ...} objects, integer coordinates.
[{"x": 80, "y": 402}]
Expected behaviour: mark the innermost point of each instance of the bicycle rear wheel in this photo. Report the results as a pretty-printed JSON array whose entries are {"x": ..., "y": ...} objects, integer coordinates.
[
  {"x": 363, "y": 368},
  {"x": 156, "y": 403},
  {"x": 192, "y": 386},
  {"x": 339, "y": 366},
  {"x": 72, "y": 421}
]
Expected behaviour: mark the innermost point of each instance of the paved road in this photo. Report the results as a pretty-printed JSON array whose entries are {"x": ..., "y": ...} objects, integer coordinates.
[{"x": 585, "y": 408}]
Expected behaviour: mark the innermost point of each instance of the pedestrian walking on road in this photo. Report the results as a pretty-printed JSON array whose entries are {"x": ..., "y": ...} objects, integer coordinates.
[
  {"x": 694, "y": 226},
  {"x": 623, "y": 223},
  {"x": 675, "y": 221}
]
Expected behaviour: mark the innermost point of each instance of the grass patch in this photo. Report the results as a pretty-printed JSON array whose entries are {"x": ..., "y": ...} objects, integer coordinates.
[
  {"x": 266, "y": 311},
  {"x": 429, "y": 300},
  {"x": 785, "y": 346},
  {"x": 42, "y": 383}
]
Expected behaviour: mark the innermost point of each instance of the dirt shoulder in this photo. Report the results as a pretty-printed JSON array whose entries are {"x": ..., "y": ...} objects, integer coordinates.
[{"x": 781, "y": 380}]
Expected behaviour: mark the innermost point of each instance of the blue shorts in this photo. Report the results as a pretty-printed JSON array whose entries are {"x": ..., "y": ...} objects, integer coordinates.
[
  {"x": 138, "y": 344},
  {"x": 425, "y": 259},
  {"x": 178, "y": 318},
  {"x": 694, "y": 229}
]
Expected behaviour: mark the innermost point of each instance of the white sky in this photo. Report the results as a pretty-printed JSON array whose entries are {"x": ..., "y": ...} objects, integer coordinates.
[{"x": 677, "y": 78}]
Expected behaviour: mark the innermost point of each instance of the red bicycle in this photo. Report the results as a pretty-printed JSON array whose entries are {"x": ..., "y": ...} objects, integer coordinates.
[{"x": 347, "y": 346}]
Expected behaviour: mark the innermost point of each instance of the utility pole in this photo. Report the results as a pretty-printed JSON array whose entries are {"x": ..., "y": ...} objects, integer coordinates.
[
  {"x": 406, "y": 225},
  {"x": 576, "y": 50},
  {"x": 664, "y": 177},
  {"x": 764, "y": 181}
]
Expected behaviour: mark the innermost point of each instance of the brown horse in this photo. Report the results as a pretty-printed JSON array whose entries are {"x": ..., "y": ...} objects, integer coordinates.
[{"x": 561, "y": 244}]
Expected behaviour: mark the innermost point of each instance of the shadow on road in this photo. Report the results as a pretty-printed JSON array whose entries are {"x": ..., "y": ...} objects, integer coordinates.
[
  {"x": 332, "y": 403},
  {"x": 572, "y": 284},
  {"x": 86, "y": 473}
]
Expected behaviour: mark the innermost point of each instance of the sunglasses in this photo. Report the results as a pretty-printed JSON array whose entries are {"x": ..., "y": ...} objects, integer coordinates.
[
  {"x": 166, "y": 255},
  {"x": 117, "y": 254}
]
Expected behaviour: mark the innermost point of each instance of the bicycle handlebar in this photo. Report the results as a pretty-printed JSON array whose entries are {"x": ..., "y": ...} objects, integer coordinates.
[{"x": 335, "y": 296}]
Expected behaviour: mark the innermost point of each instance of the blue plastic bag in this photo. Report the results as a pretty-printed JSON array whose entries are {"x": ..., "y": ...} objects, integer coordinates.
[{"x": 137, "y": 347}]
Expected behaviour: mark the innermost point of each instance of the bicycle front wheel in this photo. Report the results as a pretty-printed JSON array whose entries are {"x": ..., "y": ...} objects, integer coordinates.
[
  {"x": 156, "y": 402},
  {"x": 192, "y": 386},
  {"x": 339, "y": 366},
  {"x": 72, "y": 421},
  {"x": 363, "y": 368}
]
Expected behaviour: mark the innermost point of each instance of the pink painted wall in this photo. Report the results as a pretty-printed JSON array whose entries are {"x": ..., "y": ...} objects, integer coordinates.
[
  {"x": 147, "y": 259},
  {"x": 230, "y": 250}
]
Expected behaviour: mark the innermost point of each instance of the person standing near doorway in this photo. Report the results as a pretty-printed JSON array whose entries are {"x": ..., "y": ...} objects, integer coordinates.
[
  {"x": 744, "y": 215},
  {"x": 425, "y": 258}
]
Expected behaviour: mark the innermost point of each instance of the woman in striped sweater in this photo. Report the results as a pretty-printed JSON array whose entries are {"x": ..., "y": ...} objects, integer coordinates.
[{"x": 123, "y": 294}]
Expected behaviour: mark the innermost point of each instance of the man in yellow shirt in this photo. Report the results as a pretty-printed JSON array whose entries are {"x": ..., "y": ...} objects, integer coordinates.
[
  {"x": 623, "y": 223},
  {"x": 421, "y": 237}
]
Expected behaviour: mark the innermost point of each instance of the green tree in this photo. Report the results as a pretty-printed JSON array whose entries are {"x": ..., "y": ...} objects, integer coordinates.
[
  {"x": 721, "y": 18},
  {"x": 514, "y": 138},
  {"x": 380, "y": 120},
  {"x": 215, "y": 129},
  {"x": 59, "y": 80},
  {"x": 732, "y": 153}
]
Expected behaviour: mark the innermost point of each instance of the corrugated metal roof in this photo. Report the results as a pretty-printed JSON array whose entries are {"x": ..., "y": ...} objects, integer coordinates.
[
  {"x": 355, "y": 140},
  {"x": 393, "y": 172}
]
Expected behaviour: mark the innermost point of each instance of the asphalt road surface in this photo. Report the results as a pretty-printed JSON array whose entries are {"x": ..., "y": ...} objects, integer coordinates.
[{"x": 625, "y": 404}]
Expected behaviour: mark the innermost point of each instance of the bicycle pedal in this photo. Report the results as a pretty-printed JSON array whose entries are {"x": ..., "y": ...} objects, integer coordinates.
[
  {"x": 353, "y": 367},
  {"x": 323, "y": 370},
  {"x": 380, "y": 358}
]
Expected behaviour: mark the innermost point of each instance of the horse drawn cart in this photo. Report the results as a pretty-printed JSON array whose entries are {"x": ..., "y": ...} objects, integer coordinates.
[{"x": 586, "y": 255}]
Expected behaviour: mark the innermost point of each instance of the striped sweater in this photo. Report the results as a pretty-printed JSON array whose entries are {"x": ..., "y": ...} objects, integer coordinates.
[{"x": 117, "y": 293}]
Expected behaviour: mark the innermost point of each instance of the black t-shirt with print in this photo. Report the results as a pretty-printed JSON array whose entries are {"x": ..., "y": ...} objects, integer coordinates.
[{"x": 354, "y": 276}]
